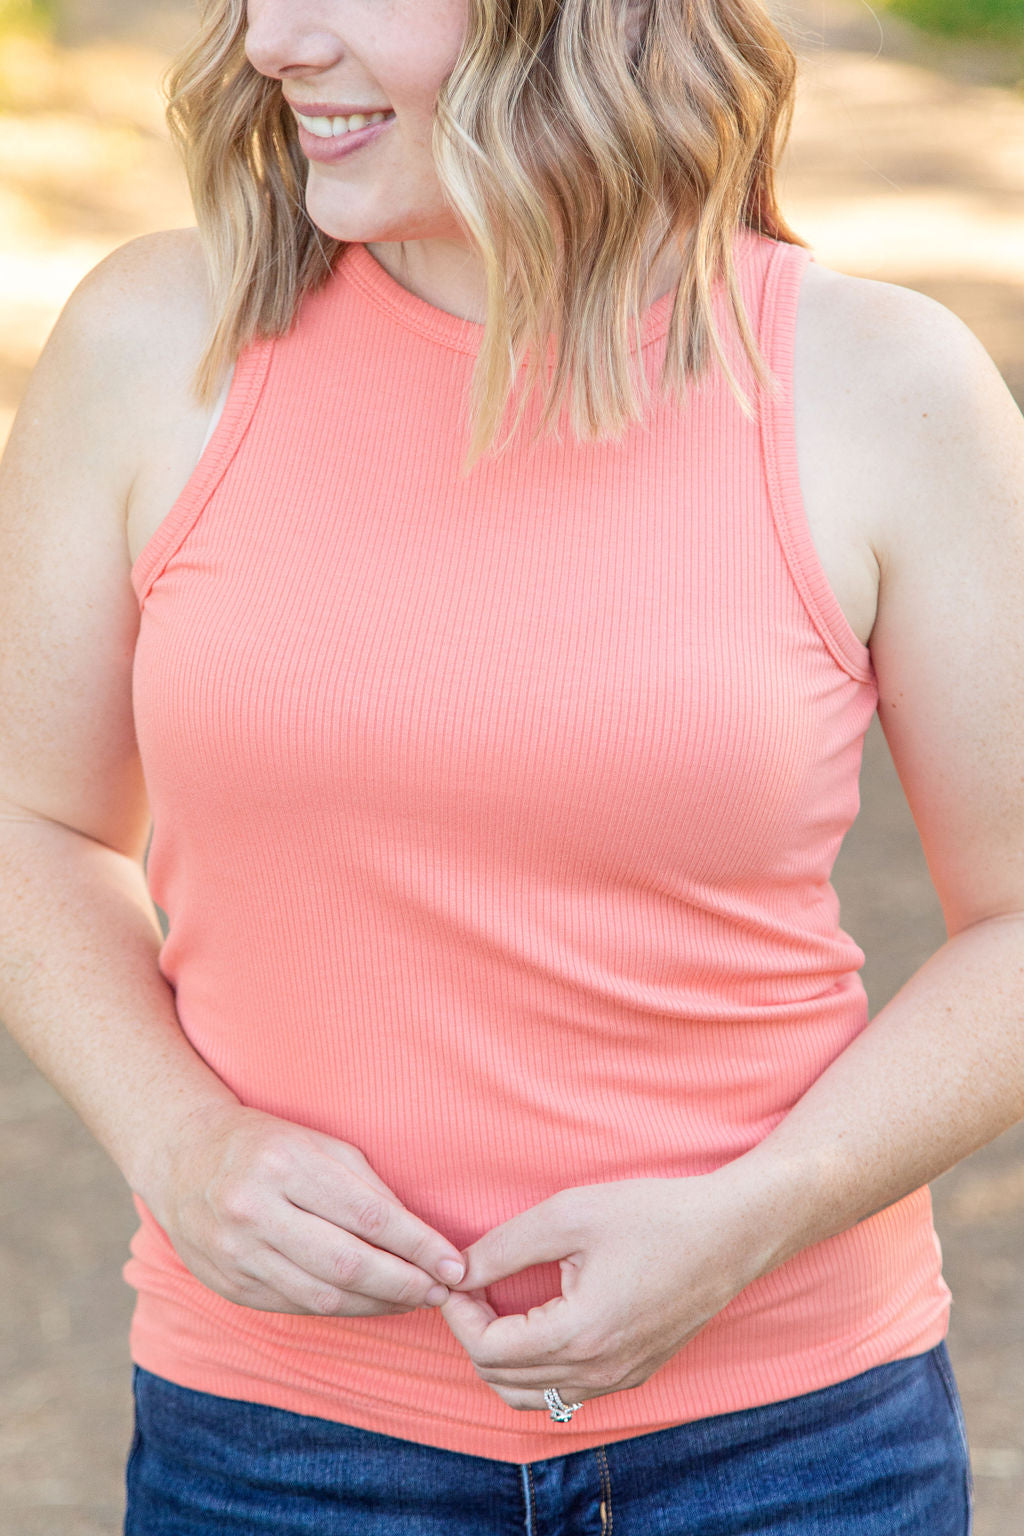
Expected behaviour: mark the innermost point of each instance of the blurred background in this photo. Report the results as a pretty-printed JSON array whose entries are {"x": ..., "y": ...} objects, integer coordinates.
[{"x": 906, "y": 165}]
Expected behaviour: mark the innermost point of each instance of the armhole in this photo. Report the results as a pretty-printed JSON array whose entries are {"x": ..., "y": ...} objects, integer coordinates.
[
  {"x": 777, "y": 340},
  {"x": 247, "y": 381}
]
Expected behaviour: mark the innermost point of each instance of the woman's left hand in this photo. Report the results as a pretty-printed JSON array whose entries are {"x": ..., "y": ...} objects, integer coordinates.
[{"x": 645, "y": 1263}]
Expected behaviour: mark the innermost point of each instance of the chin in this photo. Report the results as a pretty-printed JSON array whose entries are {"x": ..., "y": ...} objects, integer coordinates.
[{"x": 348, "y": 224}]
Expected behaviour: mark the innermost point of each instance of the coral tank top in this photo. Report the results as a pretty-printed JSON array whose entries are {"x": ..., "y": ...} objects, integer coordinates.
[{"x": 494, "y": 819}]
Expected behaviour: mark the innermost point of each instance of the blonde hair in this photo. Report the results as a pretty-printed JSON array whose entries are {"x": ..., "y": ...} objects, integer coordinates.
[{"x": 567, "y": 155}]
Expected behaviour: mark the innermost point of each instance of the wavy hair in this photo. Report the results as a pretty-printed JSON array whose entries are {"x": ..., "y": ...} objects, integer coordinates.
[{"x": 573, "y": 151}]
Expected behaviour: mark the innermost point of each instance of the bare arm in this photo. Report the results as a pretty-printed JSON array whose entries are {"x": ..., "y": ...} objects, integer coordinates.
[
  {"x": 79, "y": 985},
  {"x": 266, "y": 1213},
  {"x": 940, "y": 1070}
]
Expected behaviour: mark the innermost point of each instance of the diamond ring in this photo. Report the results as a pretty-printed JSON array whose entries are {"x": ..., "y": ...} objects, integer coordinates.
[{"x": 561, "y": 1412}]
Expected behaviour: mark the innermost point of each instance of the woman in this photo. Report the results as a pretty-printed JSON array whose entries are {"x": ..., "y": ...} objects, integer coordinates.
[{"x": 511, "y": 1147}]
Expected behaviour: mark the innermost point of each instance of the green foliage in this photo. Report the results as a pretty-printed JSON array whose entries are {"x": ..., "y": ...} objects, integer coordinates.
[
  {"x": 997, "y": 19},
  {"x": 33, "y": 16}
]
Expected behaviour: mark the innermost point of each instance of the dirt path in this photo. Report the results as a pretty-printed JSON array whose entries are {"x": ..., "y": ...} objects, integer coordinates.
[{"x": 897, "y": 170}]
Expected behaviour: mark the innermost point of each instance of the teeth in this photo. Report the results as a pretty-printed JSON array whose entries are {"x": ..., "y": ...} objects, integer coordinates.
[{"x": 334, "y": 127}]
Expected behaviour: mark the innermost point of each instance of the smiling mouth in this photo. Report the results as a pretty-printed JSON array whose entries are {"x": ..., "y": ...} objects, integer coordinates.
[{"x": 337, "y": 127}]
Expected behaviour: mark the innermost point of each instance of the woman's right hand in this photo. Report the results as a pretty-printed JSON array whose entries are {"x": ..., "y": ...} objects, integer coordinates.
[{"x": 282, "y": 1218}]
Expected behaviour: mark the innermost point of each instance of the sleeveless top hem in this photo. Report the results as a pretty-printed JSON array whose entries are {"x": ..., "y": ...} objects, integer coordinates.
[
  {"x": 731, "y": 1392},
  {"x": 243, "y": 396},
  {"x": 777, "y": 341}
]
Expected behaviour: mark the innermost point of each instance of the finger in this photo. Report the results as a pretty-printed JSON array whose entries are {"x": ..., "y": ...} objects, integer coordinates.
[
  {"x": 275, "y": 1284},
  {"x": 384, "y": 1223},
  {"x": 533, "y": 1378},
  {"x": 270, "y": 1283},
  {"x": 534, "y": 1236},
  {"x": 472, "y": 1313},
  {"x": 338, "y": 1259},
  {"x": 532, "y": 1338},
  {"x": 531, "y": 1401}
]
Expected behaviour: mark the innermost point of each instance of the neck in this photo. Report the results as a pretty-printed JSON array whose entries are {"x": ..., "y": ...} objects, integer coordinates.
[{"x": 449, "y": 276}]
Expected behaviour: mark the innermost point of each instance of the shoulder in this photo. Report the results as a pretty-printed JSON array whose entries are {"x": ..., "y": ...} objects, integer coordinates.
[
  {"x": 131, "y": 335},
  {"x": 905, "y": 401},
  {"x": 146, "y": 306},
  {"x": 127, "y": 326},
  {"x": 884, "y": 342},
  {"x": 137, "y": 319},
  {"x": 928, "y": 449},
  {"x": 149, "y": 280}
]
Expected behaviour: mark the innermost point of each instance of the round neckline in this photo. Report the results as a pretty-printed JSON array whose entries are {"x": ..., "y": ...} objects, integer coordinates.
[{"x": 439, "y": 325}]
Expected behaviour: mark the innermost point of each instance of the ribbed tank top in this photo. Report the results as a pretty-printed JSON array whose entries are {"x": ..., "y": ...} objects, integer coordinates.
[{"x": 494, "y": 820}]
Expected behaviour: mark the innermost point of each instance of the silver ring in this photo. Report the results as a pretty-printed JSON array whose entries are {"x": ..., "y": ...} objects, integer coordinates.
[{"x": 561, "y": 1412}]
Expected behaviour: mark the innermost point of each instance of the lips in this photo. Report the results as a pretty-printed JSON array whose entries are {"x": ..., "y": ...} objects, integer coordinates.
[{"x": 338, "y": 146}]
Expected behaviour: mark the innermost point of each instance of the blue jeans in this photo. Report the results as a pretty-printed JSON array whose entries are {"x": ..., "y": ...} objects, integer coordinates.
[{"x": 883, "y": 1454}]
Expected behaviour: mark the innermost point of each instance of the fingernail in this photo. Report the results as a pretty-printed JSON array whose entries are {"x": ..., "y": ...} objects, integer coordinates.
[
  {"x": 451, "y": 1271},
  {"x": 436, "y": 1295}
]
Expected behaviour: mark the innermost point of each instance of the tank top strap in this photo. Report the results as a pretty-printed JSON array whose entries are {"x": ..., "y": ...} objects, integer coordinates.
[
  {"x": 786, "y": 266},
  {"x": 222, "y": 443}
]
